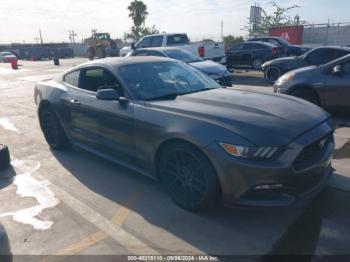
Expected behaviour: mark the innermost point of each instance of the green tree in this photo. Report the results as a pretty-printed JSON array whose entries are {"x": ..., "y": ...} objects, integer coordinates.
[
  {"x": 136, "y": 32},
  {"x": 138, "y": 12},
  {"x": 277, "y": 18},
  {"x": 231, "y": 40}
]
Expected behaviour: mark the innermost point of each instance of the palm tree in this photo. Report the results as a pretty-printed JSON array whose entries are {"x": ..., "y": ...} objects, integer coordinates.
[{"x": 138, "y": 12}]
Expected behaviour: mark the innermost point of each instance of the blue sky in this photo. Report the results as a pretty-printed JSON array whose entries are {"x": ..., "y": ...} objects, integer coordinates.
[{"x": 199, "y": 18}]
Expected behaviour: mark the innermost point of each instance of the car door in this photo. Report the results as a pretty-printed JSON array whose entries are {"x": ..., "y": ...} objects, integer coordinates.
[
  {"x": 106, "y": 126},
  {"x": 249, "y": 53},
  {"x": 337, "y": 88},
  {"x": 234, "y": 55}
]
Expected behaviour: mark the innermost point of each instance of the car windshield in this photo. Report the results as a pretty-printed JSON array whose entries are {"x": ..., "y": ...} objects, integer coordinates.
[
  {"x": 6, "y": 53},
  {"x": 160, "y": 80},
  {"x": 284, "y": 41},
  {"x": 183, "y": 56}
]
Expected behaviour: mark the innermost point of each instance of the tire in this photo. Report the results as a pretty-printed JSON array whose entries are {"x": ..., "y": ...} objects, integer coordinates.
[
  {"x": 5, "y": 159},
  {"x": 257, "y": 63},
  {"x": 188, "y": 177},
  {"x": 53, "y": 130},
  {"x": 90, "y": 53},
  {"x": 271, "y": 74},
  {"x": 100, "y": 52},
  {"x": 307, "y": 95}
]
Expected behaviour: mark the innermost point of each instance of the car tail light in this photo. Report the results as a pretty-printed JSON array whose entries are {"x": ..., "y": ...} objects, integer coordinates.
[
  {"x": 201, "y": 51},
  {"x": 274, "y": 51}
]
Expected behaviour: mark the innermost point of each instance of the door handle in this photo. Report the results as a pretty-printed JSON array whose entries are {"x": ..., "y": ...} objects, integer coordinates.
[{"x": 75, "y": 102}]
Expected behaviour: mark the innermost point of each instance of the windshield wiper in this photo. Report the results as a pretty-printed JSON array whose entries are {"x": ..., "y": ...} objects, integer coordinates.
[{"x": 170, "y": 96}]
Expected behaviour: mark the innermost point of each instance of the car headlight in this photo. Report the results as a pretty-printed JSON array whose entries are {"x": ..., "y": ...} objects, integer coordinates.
[
  {"x": 285, "y": 78},
  {"x": 250, "y": 152}
]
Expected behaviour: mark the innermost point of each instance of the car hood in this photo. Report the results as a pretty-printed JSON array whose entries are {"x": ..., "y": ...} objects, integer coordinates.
[
  {"x": 209, "y": 67},
  {"x": 286, "y": 62},
  {"x": 262, "y": 119}
]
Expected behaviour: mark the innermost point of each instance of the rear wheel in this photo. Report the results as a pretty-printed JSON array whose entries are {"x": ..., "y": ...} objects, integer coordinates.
[
  {"x": 4, "y": 157},
  {"x": 307, "y": 95},
  {"x": 100, "y": 52},
  {"x": 257, "y": 63},
  {"x": 188, "y": 177},
  {"x": 90, "y": 53},
  {"x": 53, "y": 130},
  {"x": 271, "y": 74}
]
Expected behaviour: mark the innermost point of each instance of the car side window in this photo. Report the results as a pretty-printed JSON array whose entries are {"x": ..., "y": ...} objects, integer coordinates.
[
  {"x": 253, "y": 46},
  {"x": 95, "y": 79},
  {"x": 235, "y": 48},
  {"x": 155, "y": 53},
  {"x": 146, "y": 42},
  {"x": 156, "y": 41},
  {"x": 141, "y": 53},
  {"x": 177, "y": 40},
  {"x": 72, "y": 78},
  {"x": 320, "y": 56},
  {"x": 346, "y": 68}
]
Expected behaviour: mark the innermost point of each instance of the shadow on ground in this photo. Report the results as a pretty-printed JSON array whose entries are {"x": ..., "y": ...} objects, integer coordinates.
[{"x": 241, "y": 232}]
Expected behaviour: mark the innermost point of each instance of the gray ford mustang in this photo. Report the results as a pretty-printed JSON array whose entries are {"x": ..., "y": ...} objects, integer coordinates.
[{"x": 167, "y": 120}]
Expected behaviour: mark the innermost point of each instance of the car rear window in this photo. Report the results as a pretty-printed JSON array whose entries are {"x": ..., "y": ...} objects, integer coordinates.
[{"x": 177, "y": 40}]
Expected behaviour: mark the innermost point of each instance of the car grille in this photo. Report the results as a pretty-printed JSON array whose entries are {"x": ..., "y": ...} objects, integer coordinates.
[{"x": 312, "y": 153}]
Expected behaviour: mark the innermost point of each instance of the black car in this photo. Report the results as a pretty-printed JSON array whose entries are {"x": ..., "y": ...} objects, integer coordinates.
[
  {"x": 214, "y": 70},
  {"x": 250, "y": 55},
  {"x": 327, "y": 85},
  {"x": 286, "y": 49},
  {"x": 318, "y": 56},
  {"x": 166, "y": 120},
  {"x": 5, "y": 250}
]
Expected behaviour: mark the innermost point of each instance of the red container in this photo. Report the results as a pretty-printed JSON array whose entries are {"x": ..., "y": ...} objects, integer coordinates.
[
  {"x": 14, "y": 64},
  {"x": 293, "y": 34}
]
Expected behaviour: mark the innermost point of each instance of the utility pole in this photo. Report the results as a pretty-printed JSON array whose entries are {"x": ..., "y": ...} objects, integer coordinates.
[
  {"x": 72, "y": 36},
  {"x": 222, "y": 30},
  {"x": 41, "y": 37}
]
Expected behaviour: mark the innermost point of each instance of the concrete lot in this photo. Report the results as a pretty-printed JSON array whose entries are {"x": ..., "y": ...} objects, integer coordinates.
[{"x": 67, "y": 203}]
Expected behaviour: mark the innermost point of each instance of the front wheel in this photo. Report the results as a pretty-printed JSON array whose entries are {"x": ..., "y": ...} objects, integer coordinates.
[
  {"x": 271, "y": 74},
  {"x": 188, "y": 177},
  {"x": 53, "y": 130},
  {"x": 257, "y": 63}
]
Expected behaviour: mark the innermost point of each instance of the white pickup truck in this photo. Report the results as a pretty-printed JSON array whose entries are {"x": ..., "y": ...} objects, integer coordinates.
[{"x": 207, "y": 50}]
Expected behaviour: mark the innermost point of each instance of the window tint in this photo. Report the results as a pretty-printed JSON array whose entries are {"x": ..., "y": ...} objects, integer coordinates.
[
  {"x": 236, "y": 47},
  {"x": 254, "y": 46},
  {"x": 146, "y": 42},
  {"x": 177, "y": 40},
  {"x": 156, "y": 41},
  {"x": 346, "y": 67},
  {"x": 141, "y": 53},
  {"x": 72, "y": 78},
  {"x": 274, "y": 42},
  {"x": 99, "y": 79},
  {"x": 155, "y": 53},
  {"x": 321, "y": 56}
]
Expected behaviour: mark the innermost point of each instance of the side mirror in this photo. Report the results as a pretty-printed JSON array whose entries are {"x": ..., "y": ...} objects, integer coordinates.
[
  {"x": 133, "y": 46},
  {"x": 337, "y": 70},
  {"x": 107, "y": 94}
]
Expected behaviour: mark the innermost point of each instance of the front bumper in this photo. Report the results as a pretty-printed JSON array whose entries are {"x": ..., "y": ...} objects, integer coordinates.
[{"x": 285, "y": 181}]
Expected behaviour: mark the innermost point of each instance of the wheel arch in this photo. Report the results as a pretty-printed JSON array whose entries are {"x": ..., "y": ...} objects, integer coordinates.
[{"x": 309, "y": 88}]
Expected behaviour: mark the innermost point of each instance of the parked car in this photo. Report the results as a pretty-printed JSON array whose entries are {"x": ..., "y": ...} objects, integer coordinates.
[
  {"x": 318, "y": 56},
  {"x": 250, "y": 55},
  {"x": 5, "y": 250},
  {"x": 207, "y": 50},
  {"x": 7, "y": 57},
  {"x": 286, "y": 48},
  {"x": 165, "y": 119},
  {"x": 327, "y": 85},
  {"x": 216, "y": 71}
]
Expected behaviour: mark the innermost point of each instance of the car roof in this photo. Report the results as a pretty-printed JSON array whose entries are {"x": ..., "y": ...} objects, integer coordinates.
[
  {"x": 166, "y": 48},
  {"x": 260, "y": 43},
  {"x": 334, "y": 47},
  {"x": 115, "y": 62},
  {"x": 266, "y": 37}
]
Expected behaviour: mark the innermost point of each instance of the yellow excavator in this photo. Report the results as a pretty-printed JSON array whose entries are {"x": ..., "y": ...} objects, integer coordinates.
[{"x": 101, "y": 45}]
